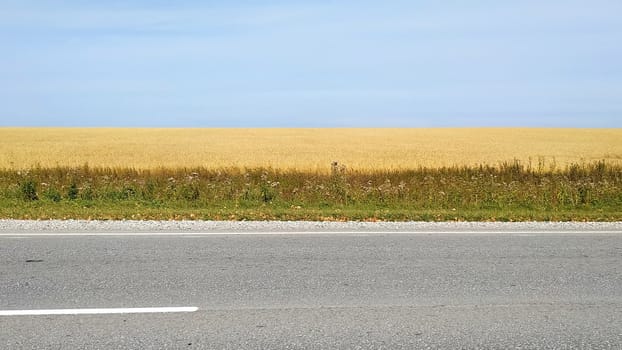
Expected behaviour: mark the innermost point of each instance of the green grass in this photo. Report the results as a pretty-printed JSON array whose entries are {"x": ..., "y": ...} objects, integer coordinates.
[{"x": 510, "y": 192}]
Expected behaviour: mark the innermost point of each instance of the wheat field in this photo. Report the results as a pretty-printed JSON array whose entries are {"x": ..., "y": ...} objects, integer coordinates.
[{"x": 302, "y": 148}]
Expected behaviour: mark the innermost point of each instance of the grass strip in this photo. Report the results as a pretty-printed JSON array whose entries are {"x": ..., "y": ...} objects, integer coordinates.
[{"x": 509, "y": 192}]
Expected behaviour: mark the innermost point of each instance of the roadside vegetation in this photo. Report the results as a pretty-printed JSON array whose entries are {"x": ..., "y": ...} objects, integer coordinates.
[{"x": 511, "y": 191}]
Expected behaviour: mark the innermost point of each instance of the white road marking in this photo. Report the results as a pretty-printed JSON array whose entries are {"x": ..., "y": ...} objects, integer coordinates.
[
  {"x": 137, "y": 310},
  {"x": 262, "y": 233}
]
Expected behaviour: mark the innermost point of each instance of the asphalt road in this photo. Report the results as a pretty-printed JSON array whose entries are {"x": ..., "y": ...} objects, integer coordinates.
[{"x": 357, "y": 290}]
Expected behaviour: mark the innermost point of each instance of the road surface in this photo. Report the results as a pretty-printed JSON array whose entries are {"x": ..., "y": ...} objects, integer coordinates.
[{"x": 494, "y": 289}]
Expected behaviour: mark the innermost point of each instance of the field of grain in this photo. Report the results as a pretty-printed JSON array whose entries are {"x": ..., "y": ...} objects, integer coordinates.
[{"x": 304, "y": 149}]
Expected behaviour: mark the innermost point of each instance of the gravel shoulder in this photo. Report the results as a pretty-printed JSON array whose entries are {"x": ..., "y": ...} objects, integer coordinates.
[{"x": 16, "y": 226}]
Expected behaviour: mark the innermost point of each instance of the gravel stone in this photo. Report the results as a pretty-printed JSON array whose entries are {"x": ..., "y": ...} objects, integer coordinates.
[{"x": 15, "y": 226}]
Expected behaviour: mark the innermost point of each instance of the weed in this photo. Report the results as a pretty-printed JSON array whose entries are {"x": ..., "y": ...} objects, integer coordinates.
[
  {"x": 28, "y": 190},
  {"x": 189, "y": 192},
  {"x": 87, "y": 193},
  {"x": 52, "y": 194},
  {"x": 72, "y": 192}
]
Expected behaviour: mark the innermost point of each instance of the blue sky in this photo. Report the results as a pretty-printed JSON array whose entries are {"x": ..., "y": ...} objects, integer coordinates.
[{"x": 311, "y": 63}]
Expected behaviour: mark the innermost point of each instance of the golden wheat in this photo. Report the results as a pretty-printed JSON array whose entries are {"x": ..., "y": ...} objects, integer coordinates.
[{"x": 303, "y": 149}]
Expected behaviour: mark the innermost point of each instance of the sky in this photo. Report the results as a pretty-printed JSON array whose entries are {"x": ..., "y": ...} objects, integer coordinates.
[{"x": 270, "y": 63}]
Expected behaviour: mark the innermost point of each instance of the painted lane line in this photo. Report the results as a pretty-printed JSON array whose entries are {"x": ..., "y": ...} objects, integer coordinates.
[
  {"x": 254, "y": 233},
  {"x": 136, "y": 310}
]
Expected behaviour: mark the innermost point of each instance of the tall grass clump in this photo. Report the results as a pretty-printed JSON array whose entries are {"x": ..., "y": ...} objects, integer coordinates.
[{"x": 28, "y": 190}]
